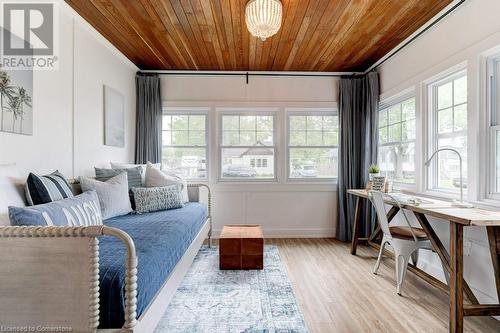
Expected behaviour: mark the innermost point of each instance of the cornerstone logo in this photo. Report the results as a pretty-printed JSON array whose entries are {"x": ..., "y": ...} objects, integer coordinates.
[{"x": 29, "y": 36}]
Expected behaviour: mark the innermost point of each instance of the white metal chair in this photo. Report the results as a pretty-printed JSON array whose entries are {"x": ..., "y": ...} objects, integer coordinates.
[{"x": 405, "y": 240}]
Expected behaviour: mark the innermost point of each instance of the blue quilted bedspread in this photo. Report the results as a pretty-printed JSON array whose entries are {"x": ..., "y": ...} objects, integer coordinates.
[{"x": 161, "y": 239}]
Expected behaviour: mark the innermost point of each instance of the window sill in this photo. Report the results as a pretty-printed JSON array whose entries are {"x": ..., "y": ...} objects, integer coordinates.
[
  {"x": 306, "y": 181},
  {"x": 487, "y": 203},
  {"x": 197, "y": 181},
  {"x": 433, "y": 194},
  {"x": 444, "y": 194},
  {"x": 241, "y": 181},
  {"x": 274, "y": 187},
  {"x": 404, "y": 187}
]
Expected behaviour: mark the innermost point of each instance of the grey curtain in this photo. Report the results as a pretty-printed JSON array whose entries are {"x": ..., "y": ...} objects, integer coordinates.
[
  {"x": 358, "y": 111},
  {"x": 148, "y": 119}
]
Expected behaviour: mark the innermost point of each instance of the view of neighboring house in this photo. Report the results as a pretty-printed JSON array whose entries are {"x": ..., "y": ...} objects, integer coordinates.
[
  {"x": 259, "y": 158},
  {"x": 193, "y": 167}
]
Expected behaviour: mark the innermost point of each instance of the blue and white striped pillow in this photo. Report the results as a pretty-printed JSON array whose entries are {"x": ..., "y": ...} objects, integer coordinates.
[{"x": 45, "y": 189}]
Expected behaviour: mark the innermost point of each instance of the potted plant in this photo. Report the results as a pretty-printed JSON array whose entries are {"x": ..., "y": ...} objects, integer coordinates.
[{"x": 373, "y": 171}]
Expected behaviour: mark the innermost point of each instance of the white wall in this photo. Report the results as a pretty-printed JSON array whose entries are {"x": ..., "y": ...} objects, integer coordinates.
[
  {"x": 67, "y": 106},
  {"x": 295, "y": 210},
  {"x": 464, "y": 37}
]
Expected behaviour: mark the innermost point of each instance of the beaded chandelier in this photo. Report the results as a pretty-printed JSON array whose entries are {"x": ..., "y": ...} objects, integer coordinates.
[{"x": 263, "y": 17}]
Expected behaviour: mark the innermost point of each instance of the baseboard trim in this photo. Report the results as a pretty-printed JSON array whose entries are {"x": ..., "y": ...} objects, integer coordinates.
[{"x": 291, "y": 233}]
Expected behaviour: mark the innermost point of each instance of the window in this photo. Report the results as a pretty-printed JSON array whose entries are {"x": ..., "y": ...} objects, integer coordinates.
[
  {"x": 396, "y": 129},
  {"x": 246, "y": 141},
  {"x": 448, "y": 106},
  {"x": 313, "y": 146},
  {"x": 494, "y": 126},
  {"x": 185, "y": 144},
  {"x": 496, "y": 130}
]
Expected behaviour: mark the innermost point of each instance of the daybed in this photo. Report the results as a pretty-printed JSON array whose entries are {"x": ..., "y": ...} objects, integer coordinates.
[{"x": 116, "y": 277}]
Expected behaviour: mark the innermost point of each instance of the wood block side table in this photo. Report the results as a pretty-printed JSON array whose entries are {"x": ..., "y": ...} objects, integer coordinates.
[{"x": 241, "y": 246}]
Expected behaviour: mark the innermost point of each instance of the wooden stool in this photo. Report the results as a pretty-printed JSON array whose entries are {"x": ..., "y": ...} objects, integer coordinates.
[{"x": 241, "y": 246}]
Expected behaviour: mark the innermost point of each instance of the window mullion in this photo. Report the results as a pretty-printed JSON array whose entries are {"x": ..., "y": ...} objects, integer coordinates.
[{"x": 453, "y": 106}]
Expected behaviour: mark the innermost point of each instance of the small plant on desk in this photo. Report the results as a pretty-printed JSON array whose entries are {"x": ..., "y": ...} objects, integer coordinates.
[{"x": 373, "y": 171}]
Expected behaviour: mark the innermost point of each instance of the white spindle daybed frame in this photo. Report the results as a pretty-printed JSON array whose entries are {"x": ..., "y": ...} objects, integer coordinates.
[{"x": 49, "y": 277}]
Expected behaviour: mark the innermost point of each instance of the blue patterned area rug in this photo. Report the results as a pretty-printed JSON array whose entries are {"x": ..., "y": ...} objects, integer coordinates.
[{"x": 211, "y": 301}]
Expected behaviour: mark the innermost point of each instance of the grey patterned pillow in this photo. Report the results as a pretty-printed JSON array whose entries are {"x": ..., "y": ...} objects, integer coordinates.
[
  {"x": 152, "y": 199},
  {"x": 133, "y": 175}
]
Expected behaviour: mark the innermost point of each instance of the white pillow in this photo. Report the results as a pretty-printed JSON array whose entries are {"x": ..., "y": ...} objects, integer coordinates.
[
  {"x": 117, "y": 165},
  {"x": 113, "y": 194},
  {"x": 11, "y": 191},
  {"x": 157, "y": 178}
]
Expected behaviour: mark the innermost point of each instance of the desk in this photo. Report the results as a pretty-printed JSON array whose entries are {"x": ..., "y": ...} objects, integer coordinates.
[{"x": 458, "y": 218}]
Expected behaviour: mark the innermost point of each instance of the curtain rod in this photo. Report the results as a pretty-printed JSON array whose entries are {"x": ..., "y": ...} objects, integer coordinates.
[{"x": 250, "y": 73}]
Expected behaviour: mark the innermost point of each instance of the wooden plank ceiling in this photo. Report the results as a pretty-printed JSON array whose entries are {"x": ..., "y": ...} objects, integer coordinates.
[{"x": 316, "y": 35}]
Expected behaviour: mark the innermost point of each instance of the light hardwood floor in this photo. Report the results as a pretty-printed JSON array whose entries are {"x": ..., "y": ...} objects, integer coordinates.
[{"x": 338, "y": 292}]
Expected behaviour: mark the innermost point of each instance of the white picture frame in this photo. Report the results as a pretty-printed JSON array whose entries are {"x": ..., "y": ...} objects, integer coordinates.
[{"x": 114, "y": 117}]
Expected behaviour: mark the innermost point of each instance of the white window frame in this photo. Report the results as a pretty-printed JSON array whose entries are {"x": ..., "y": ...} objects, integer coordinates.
[
  {"x": 195, "y": 111},
  {"x": 308, "y": 112},
  {"x": 492, "y": 154},
  {"x": 247, "y": 112},
  {"x": 387, "y": 103},
  {"x": 433, "y": 135},
  {"x": 491, "y": 112}
]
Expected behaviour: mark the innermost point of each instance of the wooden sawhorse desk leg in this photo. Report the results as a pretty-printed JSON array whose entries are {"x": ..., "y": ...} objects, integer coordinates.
[
  {"x": 494, "y": 241},
  {"x": 357, "y": 224},
  {"x": 442, "y": 253},
  {"x": 456, "y": 278}
]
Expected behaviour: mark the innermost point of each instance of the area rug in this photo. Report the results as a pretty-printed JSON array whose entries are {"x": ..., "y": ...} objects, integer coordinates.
[{"x": 210, "y": 300}]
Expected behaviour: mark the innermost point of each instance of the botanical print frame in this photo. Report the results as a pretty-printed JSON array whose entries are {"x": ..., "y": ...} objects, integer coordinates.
[
  {"x": 16, "y": 106},
  {"x": 16, "y": 97},
  {"x": 114, "y": 117}
]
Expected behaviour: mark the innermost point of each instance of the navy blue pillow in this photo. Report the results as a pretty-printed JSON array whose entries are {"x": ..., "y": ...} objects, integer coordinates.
[{"x": 45, "y": 189}]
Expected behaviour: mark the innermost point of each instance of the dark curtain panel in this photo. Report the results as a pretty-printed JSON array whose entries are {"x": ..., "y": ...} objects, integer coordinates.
[
  {"x": 358, "y": 111},
  {"x": 148, "y": 119}
]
